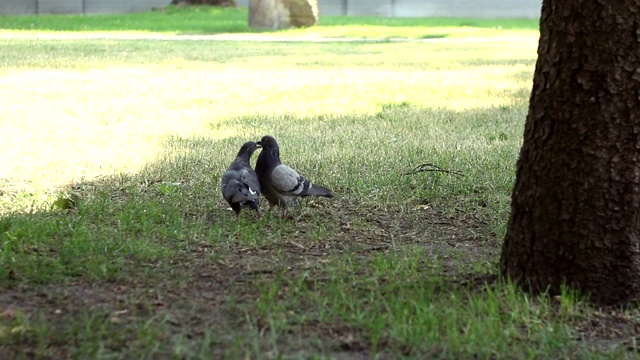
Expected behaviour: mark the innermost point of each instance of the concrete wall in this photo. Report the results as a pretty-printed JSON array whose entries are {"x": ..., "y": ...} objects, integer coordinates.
[
  {"x": 122, "y": 6},
  {"x": 429, "y": 8},
  {"x": 60, "y": 6},
  {"x": 14, "y": 7},
  {"x": 433, "y": 8}
]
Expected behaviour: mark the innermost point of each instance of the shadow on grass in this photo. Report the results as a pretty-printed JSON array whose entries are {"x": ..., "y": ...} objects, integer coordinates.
[
  {"x": 433, "y": 36},
  {"x": 154, "y": 265},
  {"x": 529, "y": 63}
]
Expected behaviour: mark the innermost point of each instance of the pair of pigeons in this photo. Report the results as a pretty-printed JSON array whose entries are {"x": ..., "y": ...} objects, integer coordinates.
[{"x": 280, "y": 184}]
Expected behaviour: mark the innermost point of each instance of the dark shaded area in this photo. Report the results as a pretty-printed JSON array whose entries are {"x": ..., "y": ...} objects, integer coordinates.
[
  {"x": 501, "y": 62},
  {"x": 199, "y": 281},
  {"x": 199, "y": 277}
]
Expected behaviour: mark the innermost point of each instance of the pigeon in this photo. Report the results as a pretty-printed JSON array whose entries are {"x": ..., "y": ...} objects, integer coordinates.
[
  {"x": 280, "y": 184},
  {"x": 240, "y": 185}
]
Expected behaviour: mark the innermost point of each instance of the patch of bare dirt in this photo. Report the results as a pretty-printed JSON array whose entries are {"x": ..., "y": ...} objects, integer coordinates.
[
  {"x": 195, "y": 294},
  {"x": 198, "y": 291}
]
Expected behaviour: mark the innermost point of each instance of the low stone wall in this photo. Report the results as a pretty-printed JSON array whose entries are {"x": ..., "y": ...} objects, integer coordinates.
[
  {"x": 15, "y": 7},
  {"x": 429, "y": 8}
]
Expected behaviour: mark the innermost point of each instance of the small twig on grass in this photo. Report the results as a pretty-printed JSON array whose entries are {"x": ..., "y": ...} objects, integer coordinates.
[{"x": 432, "y": 167}]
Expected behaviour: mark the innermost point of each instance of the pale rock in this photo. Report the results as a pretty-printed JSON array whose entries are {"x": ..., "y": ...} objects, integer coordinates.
[{"x": 282, "y": 14}]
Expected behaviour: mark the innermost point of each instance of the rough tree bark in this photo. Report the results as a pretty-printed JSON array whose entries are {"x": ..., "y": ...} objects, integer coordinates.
[{"x": 575, "y": 205}]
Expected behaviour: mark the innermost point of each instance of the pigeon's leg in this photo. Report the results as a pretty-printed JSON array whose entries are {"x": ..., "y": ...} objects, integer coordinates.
[
  {"x": 256, "y": 207},
  {"x": 285, "y": 214},
  {"x": 236, "y": 209}
]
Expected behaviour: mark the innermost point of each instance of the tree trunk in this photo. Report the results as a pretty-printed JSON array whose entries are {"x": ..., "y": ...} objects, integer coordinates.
[{"x": 575, "y": 205}]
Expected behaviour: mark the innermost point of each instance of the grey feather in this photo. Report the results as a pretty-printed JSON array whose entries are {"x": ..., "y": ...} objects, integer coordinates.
[
  {"x": 281, "y": 185},
  {"x": 240, "y": 185}
]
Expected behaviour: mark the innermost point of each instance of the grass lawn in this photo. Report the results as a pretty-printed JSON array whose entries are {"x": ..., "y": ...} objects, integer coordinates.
[
  {"x": 211, "y": 20},
  {"x": 116, "y": 243}
]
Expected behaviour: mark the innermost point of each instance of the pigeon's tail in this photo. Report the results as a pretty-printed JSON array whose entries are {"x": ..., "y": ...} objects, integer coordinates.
[{"x": 318, "y": 190}]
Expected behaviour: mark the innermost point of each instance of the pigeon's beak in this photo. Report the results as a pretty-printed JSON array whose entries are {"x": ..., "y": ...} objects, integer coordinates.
[{"x": 259, "y": 144}]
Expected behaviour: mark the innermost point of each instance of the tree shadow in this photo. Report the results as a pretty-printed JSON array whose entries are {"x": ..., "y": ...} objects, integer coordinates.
[{"x": 161, "y": 247}]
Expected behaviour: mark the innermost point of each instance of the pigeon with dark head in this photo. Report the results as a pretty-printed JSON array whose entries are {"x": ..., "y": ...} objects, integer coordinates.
[
  {"x": 240, "y": 185},
  {"x": 282, "y": 185}
]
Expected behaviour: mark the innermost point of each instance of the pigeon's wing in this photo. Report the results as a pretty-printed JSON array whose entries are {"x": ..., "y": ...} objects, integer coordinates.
[
  {"x": 230, "y": 185},
  {"x": 250, "y": 182},
  {"x": 287, "y": 181},
  {"x": 240, "y": 185}
]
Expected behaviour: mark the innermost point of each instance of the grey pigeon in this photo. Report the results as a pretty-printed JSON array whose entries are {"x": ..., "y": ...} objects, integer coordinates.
[
  {"x": 280, "y": 184},
  {"x": 240, "y": 185}
]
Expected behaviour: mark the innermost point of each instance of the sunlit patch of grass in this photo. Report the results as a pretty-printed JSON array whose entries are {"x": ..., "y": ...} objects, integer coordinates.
[
  {"x": 80, "y": 124},
  {"x": 102, "y": 112},
  {"x": 410, "y": 32}
]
